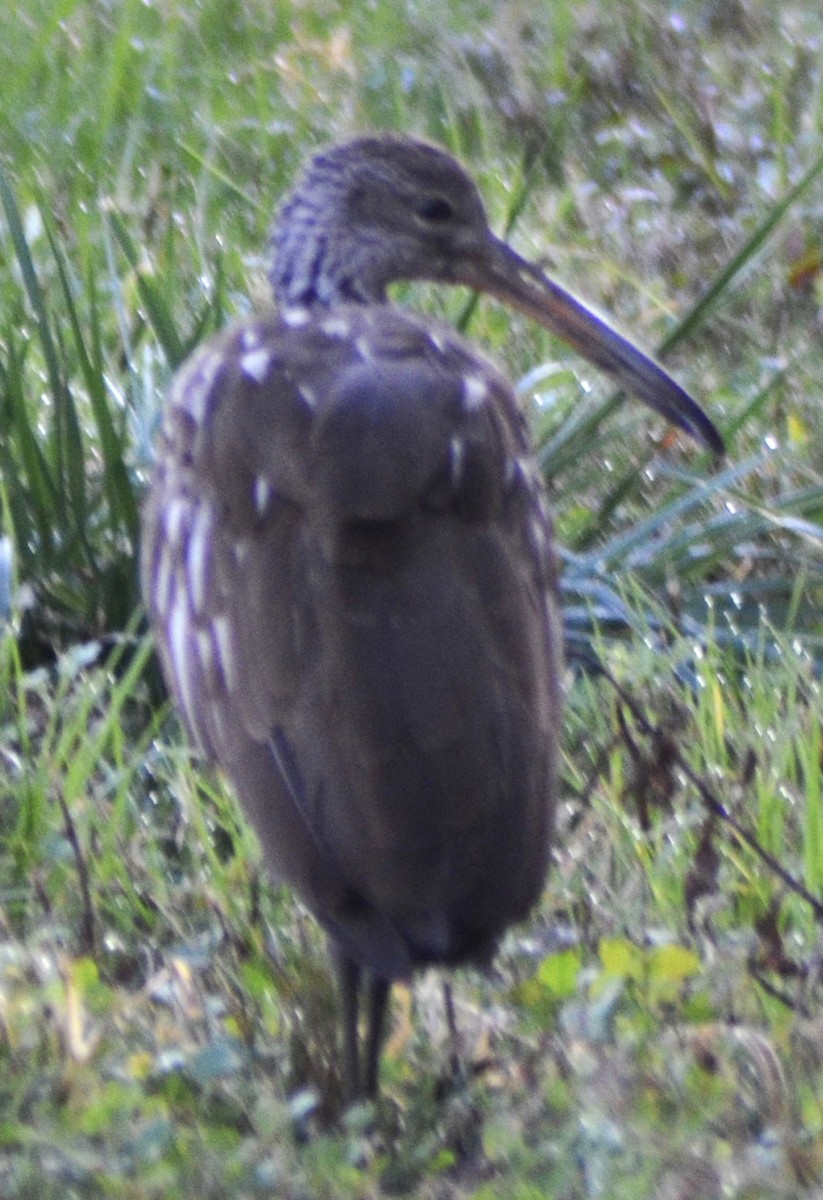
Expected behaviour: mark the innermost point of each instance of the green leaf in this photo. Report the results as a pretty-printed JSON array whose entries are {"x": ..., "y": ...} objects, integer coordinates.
[
  {"x": 559, "y": 973},
  {"x": 621, "y": 959},
  {"x": 673, "y": 963}
]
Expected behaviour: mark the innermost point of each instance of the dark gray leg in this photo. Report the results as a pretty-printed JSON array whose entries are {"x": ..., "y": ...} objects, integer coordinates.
[
  {"x": 360, "y": 1074},
  {"x": 348, "y": 974},
  {"x": 379, "y": 991},
  {"x": 455, "y": 1064}
]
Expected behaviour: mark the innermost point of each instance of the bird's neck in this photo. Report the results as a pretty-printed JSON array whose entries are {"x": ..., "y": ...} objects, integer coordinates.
[
  {"x": 322, "y": 292},
  {"x": 316, "y": 264}
]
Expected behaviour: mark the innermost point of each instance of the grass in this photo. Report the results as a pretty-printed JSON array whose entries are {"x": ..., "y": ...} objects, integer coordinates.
[{"x": 167, "y": 1022}]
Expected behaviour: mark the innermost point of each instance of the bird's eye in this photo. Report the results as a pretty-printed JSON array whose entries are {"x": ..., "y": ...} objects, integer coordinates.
[{"x": 435, "y": 210}]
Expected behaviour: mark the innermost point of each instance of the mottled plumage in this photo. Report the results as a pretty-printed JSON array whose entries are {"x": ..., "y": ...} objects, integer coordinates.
[{"x": 347, "y": 563}]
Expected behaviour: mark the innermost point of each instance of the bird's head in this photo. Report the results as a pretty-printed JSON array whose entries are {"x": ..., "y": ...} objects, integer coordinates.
[
  {"x": 372, "y": 211},
  {"x": 383, "y": 208}
]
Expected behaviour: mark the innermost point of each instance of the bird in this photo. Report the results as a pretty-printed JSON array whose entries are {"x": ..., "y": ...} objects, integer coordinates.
[{"x": 348, "y": 565}]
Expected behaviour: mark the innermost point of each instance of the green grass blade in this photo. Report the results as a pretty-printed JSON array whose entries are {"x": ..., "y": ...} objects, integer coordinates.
[
  {"x": 152, "y": 296},
  {"x": 34, "y": 498},
  {"x": 723, "y": 281},
  {"x": 31, "y": 285},
  {"x": 123, "y": 508}
]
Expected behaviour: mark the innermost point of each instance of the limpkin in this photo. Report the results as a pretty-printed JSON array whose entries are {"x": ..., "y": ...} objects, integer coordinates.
[{"x": 347, "y": 561}]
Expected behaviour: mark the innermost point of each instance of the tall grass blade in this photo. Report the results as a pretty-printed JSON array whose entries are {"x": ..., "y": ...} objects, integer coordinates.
[
  {"x": 33, "y": 498},
  {"x": 156, "y": 308},
  {"x": 123, "y": 508},
  {"x": 723, "y": 281}
]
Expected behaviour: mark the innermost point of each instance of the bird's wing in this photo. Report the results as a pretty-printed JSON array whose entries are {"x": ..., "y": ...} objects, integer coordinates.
[{"x": 348, "y": 564}]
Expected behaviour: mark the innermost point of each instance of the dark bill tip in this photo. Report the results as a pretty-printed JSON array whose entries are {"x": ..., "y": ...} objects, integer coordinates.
[{"x": 504, "y": 274}]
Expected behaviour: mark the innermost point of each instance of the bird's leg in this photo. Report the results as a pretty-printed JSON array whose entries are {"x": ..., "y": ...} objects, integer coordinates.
[
  {"x": 455, "y": 1063},
  {"x": 348, "y": 974},
  {"x": 379, "y": 991},
  {"x": 360, "y": 1079}
]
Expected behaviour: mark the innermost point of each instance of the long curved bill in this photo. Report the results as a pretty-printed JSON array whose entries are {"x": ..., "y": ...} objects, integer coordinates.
[{"x": 502, "y": 273}]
